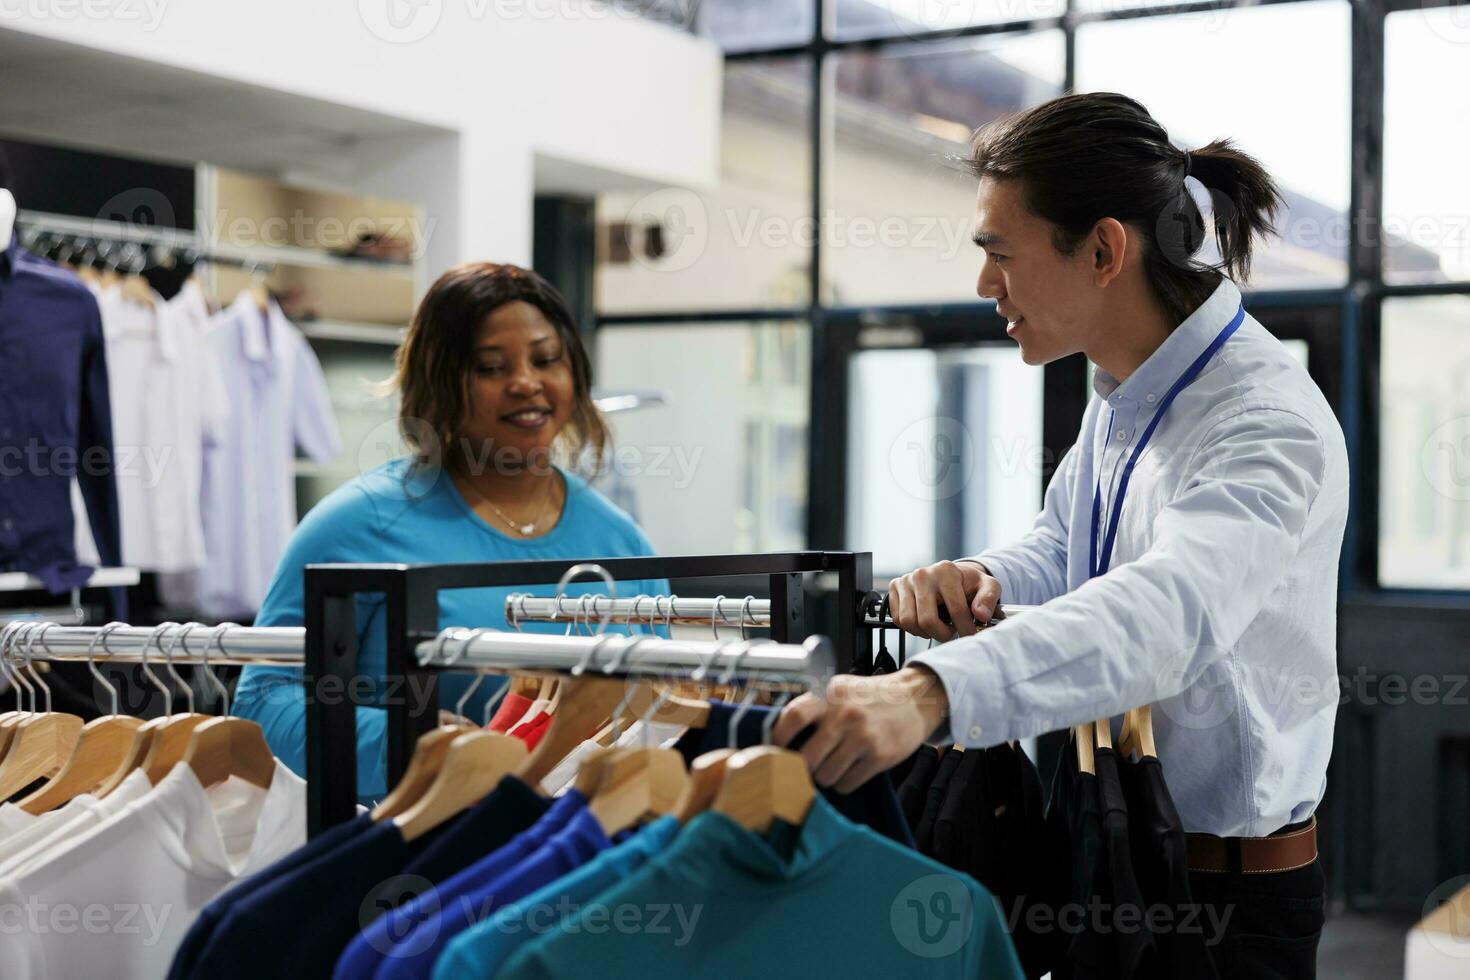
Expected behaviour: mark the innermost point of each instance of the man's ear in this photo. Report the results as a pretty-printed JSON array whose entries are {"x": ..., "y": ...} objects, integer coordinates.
[{"x": 1109, "y": 249}]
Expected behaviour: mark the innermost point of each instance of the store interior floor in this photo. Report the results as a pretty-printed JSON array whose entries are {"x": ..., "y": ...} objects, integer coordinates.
[{"x": 1364, "y": 946}]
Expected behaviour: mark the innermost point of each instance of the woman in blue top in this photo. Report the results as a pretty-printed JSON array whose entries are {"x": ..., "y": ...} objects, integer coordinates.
[{"x": 493, "y": 379}]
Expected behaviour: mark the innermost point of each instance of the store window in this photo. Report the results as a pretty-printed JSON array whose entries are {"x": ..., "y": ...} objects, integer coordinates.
[
  {"x": 912, "y": 18},
  {"x": 1424, "y": 444},
  {"x": 1292, "y": 113},
  {"x": 946, "y": 453},
  {"x": 742, "y": 245},
  {"x": 721, "y": 466},
  {"x": 1426, "y": 198},
  {"x": 749, "y": 25},
  {"x": 898, "y": 205}
]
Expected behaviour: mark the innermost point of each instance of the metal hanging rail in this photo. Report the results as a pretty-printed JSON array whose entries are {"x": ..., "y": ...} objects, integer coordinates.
[
  {"x": 658, "y": 610},
  {"x": 183, "y": 643},
  {"x": 618, "y": 654}
]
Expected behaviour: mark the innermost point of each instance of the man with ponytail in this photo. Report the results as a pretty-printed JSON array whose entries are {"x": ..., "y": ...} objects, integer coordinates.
[{"x": 1188, "y": 544}]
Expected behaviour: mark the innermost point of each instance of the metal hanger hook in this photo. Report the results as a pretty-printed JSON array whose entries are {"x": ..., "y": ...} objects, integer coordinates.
[
  {"x": 216, "y": 639},
  {"x": 168, "y": 660},
  {"x": 101, "y": 636},
  {"x": 168, "y": 695},
  {"x": 30, "y": 639},
  {"x": 16, "y": 666}
]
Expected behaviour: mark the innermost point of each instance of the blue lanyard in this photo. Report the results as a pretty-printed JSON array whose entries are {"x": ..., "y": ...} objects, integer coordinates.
[{"x": 1095, "y": 566}]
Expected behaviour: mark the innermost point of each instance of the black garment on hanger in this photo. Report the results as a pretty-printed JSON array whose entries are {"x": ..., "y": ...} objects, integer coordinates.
[
  {"x": 1161, "y": 862},
  {"x": 924, "y": 833},
  {"x": 1132, "y": 941},
  {"x": 1013, "y": 791},
  {"x": 1078, "y": 877},
  {"x": 913, "y": 791}
]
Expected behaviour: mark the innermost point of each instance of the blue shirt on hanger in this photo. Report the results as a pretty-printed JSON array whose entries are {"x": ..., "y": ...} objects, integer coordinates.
[
  {"x": 481, "y": 950},
  {"x": 573, "y": 846},
  {"x": 55, "y": 423},
  {"x": 389, "y": 936}
]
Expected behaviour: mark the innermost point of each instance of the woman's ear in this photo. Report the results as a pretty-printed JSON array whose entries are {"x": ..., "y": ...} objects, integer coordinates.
[{"x": 1109, "y": 250}]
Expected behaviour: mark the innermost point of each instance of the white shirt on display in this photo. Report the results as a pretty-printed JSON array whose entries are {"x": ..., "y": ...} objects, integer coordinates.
[{"x": 117, "y": 900}]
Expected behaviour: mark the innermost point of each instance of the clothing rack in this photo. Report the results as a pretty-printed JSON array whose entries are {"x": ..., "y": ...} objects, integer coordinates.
[
  {"x": 655, "y": 610},
  {"x": 874, "y": 613},
  {"x": 132, "y": 241},
  {"x": 411, "y": 608}
]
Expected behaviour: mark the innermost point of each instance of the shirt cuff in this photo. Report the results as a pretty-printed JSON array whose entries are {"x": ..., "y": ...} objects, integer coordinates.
[{"x": 976, "y": 710}]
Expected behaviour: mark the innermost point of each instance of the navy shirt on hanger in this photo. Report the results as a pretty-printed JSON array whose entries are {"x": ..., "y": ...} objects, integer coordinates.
[
  {"x": 872, "y": 804},
  {"x": 196, "y": 940},
  {"x": 55, "y": 422},
  {"x": 296, "y": 925}
]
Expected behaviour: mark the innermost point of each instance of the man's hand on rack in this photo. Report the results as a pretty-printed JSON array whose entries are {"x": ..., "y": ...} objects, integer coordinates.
[
  {"x": 866, "y": 725},
  {"x": 961, "y": 591}
]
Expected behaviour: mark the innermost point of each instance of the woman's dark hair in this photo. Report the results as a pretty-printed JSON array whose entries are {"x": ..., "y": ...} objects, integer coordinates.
[
  {"x": 434, "y": 365},
  {"x": 1082, "y": 158}
]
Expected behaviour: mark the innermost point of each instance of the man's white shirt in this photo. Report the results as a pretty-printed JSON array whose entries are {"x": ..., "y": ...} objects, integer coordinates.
[{"x": 1220, "y": 604}]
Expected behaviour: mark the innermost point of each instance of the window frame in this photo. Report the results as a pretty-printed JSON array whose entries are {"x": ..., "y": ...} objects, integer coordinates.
[{"x": 1340, "y": 324}]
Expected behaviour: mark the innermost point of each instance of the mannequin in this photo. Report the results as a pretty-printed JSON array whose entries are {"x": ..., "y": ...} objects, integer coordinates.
[{"x": 7, "y": 217}]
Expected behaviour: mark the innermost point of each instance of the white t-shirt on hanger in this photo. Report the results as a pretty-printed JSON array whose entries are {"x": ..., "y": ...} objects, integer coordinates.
[
  {"x": 53, "y": 830},
  {"x": 118, "y": 900}
]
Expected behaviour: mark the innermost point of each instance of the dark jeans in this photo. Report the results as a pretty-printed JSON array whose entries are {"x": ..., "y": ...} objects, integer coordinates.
[{"x": 1274, "y": 925}]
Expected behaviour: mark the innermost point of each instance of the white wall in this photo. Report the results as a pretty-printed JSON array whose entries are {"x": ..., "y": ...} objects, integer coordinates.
[{"x": 512, "y": 78}]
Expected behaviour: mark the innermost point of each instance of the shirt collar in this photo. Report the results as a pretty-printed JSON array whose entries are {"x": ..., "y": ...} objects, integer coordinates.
[
  {"x": 1187, "y": 341},
  {"x": 260, "y": 333},
  {"x": 786, "y": 852}
]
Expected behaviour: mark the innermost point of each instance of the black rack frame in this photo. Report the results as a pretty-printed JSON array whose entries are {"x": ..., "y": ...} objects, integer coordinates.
[{"x": 411, "y": 600}]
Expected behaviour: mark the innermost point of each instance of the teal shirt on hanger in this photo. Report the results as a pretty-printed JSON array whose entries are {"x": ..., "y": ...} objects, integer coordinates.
[
  {"x": 827, "y": 899},
  {"x": 396, "y": 513}
]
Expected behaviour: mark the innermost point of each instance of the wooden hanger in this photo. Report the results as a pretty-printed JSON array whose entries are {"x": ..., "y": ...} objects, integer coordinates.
[
  {"x": 172, "y": 739},
  {"x": 1082, "y": 739},
  {"x": 136, "y": 289},
  {"x": 1102, "y": 731},
  {"x": 225, "y": 747},
  {"x": 706, "y": 775},
  {"x": 160, "y": 743},
  {"x": 42, "y": 743},
  {"x": 474, "y": 763},
  {"x": 585, "y": 703},
  {"x": 101, "y": 745},
  {"x": 648, "y": 705},
  {"x": 765, "y": 783},
  {"x": 430, "y": 751},
  {"x": 1138, "y": 734},
  {"x": 637, "y": 784},
  {"x": 133, "y": 759}
]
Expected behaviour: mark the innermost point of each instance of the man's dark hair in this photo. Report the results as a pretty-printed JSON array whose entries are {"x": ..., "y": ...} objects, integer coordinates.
[{"x": 1082, "y": 158}]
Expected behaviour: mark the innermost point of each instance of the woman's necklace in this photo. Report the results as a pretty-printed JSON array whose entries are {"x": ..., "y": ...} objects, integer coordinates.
[{"x": 526, "y": 529}]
